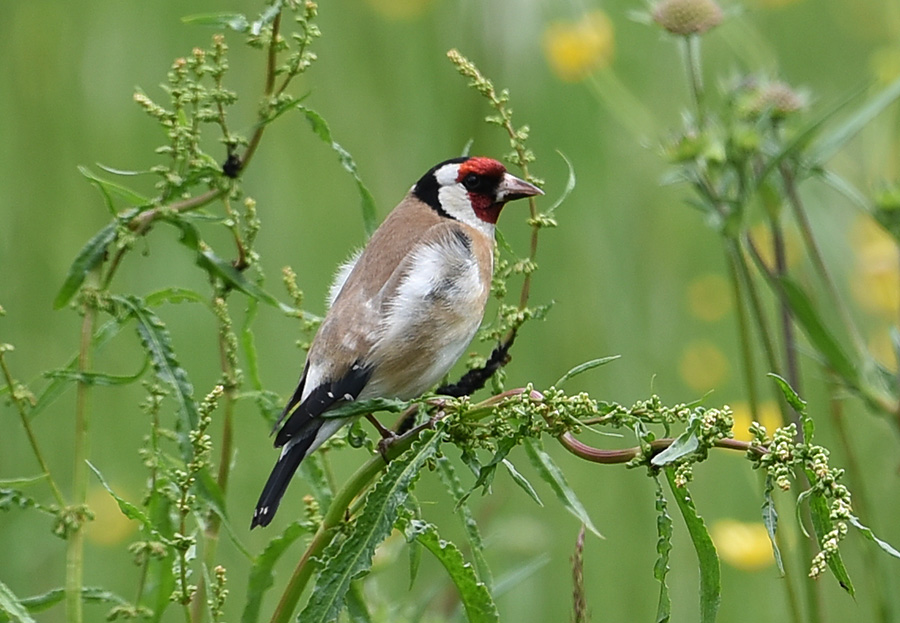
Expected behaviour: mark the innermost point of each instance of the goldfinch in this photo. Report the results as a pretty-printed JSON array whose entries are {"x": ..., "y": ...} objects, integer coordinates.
[{"x": 403, "y": 311}]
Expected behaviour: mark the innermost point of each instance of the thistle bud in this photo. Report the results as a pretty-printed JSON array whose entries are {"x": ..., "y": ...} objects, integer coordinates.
[{"x": 687, "y": 17}]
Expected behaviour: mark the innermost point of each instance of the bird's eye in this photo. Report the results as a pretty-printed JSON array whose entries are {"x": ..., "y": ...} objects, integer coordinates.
[{"x": 473, "y": 182}]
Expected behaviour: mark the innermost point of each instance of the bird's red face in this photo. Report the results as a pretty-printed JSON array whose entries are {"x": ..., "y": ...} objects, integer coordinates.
[
  {"x": 472, "y": 190},
  {"x": 481, "y": 177}
]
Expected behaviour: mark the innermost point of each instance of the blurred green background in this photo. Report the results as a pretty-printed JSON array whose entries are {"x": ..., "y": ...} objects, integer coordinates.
[{"x": 632, "y": 269}]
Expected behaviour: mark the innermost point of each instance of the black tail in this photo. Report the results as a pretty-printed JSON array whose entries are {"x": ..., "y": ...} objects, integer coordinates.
[{"x": 280, "y": 478}]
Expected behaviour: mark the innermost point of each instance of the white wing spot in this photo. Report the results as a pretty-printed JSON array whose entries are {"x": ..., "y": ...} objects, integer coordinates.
[
  {"x": 330, "y": 394},
  {"x": 348, "y": 397}
]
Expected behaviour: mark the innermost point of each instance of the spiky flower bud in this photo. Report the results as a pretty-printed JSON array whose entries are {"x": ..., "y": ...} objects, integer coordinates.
[{"x": 687, "y": 17}]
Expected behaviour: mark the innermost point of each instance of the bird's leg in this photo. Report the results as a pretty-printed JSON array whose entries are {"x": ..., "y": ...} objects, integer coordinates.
[{"x": 385, "y": 432}]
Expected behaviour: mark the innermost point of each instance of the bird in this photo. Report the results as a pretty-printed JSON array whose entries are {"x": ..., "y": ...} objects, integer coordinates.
[{"x": 402, "y": 311}]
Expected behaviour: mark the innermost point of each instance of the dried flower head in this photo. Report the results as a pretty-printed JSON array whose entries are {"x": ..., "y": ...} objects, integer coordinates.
[{"x": 687, "y": 17}]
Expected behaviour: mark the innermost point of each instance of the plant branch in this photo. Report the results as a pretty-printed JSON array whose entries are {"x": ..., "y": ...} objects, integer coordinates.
[{"x": 26, "y": 424}]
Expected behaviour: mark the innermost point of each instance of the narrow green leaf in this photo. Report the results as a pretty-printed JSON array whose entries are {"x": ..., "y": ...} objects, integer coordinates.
[
  {"x": 520, "y": 480},
  {"x": 266, "y": 17},
  {"x": 570, "y": 185},
  {"x": 97, "y": 378},
  {"x": 487, "y": 471},
  {"x": 88, "y": 258},
  {"x": 554, "y": 476},
  {"x": 127, "y": 508},
  {"x": 112, "y": 188},
  {"x": 584, "y": 367},
  {"x": 25, "y": 481},
  {"x": 824, "y": 341},
  {"x": 686, "y": 443},
  {"x": 155, "y": 337},
  {"x": 475, "y": 597},
  {"x": 710, "y": 580},
  {"x": 770, "y": 520},
  {"x": 867, "y": 532},
  {"x": 231, "y": 21},
  {"x": 248, "y": 344},
  {"x": 11, "y": 605},
  {"x": 792, "y": 397},
  {"x": 262, "y": 574},
  {"x": 473, "y": 534},
  {"x": 357, "y": 610},
  {"x": 348, "y": 559},
  {"x": 361, "y": 407},
  {"x": 664, "y": 531},
  {"x": 519, "y": 574},
  {"x": 822, "y": 524},
  {"x": 313, "y": 471},
  {"x": 44, "y": 601},
  {"x": 837, "y": 138},
  {"x": 219, "y": 268},
  {"x": 321, "y": 129},
  {"x": 175, "y": 295}
]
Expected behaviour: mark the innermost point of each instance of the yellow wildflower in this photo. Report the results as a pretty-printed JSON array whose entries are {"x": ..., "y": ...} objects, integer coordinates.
[
  {"x": 768, "y": 413},
  {"x": 742, "y": 545},
  {"x": 703, "y": 366},
  {"x": 576, "y": 49},
  {"x": 709, "y": 297},
  {"x": 110, "y": 527}
]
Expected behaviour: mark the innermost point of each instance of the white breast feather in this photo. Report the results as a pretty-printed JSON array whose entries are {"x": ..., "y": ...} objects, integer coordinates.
[{"x": 340, "y": 276}]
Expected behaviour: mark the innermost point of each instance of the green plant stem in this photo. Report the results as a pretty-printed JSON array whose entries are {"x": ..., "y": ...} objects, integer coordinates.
[
  {"x": 333, "y": 517},
  {"x": 788, "y": 334},
  {"x": 815, "y": 254},
  {"x": 75, "y": 546},
  {"x": 745, "y": 339},
  {"x": 32, "y": 440},
  {"x": 214, "y": 522},
  {"x": 695, "y": 75}
]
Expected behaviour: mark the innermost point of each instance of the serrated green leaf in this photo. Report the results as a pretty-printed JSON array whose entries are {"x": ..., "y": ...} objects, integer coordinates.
[
  {"x": 554, "y": 477},
  {"x": 473, "y": 534},
  {"x": 664, "y": 532},
  {"x": 90, "y": 256},
  {"x": 822, "y": 524},
  {"x": 584, "y": 367},
  {"x": 686, "y": 443},
  {"x": 262, "y": 575},
  {"x": 710, "y": 578},
  {"x": 321, "y": 129},
  {"x": 520, "y": 480},
  {"x": 475, "y": 597},
  {"x": 154, "y": 336},
  {"x": 770, "y": 520},
  {"x": 867, "y": 532},
  {"x": 232, "y": 21},
  {"x": 348, "y": 559},
  {"x": 11, "y": 605},
  {"x": 266, "y": 17}
]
